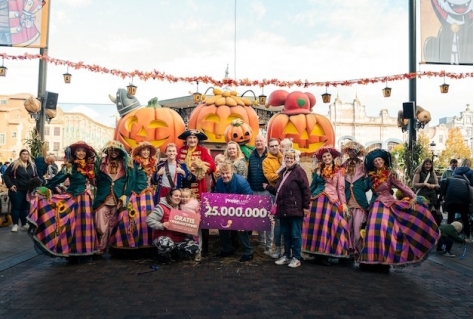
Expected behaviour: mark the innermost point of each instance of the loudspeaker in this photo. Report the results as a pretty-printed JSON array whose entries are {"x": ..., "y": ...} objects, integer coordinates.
[
  {"x": 51, "y": 100},
  {"x": 409, "y": 110}
]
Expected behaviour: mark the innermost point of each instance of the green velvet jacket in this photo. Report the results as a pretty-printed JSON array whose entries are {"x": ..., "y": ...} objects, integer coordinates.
[
  {"x": 106, "y": 186},
  {"x": 77, "y": 181}
]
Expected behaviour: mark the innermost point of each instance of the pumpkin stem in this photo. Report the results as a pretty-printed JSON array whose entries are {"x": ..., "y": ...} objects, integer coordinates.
[
  {"x": 153, "y": 103},
  {"x": 237, "y": 122}
]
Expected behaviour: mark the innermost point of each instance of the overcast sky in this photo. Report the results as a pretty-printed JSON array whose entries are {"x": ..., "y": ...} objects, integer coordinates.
[{"x": 288, "y": 40}]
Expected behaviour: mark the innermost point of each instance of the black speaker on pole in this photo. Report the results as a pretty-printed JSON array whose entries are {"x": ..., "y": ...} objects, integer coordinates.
[
  {"x": 409, "y": 110},
  {"x": 51, "y": 100}
]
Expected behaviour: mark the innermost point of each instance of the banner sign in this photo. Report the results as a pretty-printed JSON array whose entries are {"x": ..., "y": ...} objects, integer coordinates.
[
  {"x": 184, "y": 222},
  {"x": 446, "y": 32},
  {"x": 24, "y": 23},
  {"x": 235, "y": 212}
]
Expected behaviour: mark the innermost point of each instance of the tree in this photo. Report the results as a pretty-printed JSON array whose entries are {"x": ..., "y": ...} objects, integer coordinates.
[{"x": 455, "y": 147}]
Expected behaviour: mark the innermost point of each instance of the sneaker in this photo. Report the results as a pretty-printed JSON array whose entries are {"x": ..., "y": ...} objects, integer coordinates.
[
  {"x": 15, "y": 228},
  {"x": 268, "y": 252},
  {"x": 277, "y": 253},
  {"x": 448, "y": 254},
  {"x": 25, "y": 227},
  {"x": 294, "y": 263},
  {"x": 282, "y": 261}
]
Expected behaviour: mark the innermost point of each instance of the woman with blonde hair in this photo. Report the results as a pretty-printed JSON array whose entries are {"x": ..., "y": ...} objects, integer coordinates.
[
  {"x": 17, "y": 179},
  {"x": 237, "y": 158}
]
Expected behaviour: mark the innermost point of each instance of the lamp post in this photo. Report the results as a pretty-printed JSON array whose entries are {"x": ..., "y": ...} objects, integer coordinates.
[{"x": 432, "y": 149}]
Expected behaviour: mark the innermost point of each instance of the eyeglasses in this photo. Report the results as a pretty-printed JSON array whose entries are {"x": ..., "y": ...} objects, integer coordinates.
[{"x": 273, "y": 146}]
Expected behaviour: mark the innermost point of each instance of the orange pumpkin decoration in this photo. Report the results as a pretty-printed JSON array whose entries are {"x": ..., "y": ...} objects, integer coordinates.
[
  {"x": 238, "y": 131},
  {"x": 153, "y": 123},
  {"x": 215, "y": 113},
  {"x": 308, "y": 131}
]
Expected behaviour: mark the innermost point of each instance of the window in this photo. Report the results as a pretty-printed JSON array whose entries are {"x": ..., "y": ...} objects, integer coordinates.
[
  {"x": 441, "y": 139},
  {"x": 2, "y": 139},
  {"x": 55, "y": 146},
  {"x": 13, "y": 134},
  {"x": 46, "y": 130},
  {"x": 468, "y": 119},
  {"x": 57, "y": 131}
]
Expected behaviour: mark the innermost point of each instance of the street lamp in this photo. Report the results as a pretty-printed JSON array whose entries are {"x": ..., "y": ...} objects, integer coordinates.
[{"x": 432, "y": 149}]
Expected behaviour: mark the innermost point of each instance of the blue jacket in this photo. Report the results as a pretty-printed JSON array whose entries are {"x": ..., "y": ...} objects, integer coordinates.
[
  {"x": 464, "y": 170},
  {"x": 237, "y": 185},
  {"x": 255, "y": 175}
]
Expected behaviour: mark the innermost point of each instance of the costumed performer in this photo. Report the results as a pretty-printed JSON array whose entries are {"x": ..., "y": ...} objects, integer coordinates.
[
  {"x": 326, "y": 230},
  {"x": 130, "y": 230},
  {"x": 63, "y": 224},
  {"x": 398, "y": 232}
]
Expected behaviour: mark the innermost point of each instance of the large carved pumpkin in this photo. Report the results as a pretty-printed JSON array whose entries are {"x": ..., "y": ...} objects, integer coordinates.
[
  {"x": 238, "y": 131},
  {"x": 215, "y": 113},
  {"x": 153, "y": 123},
  {"x": 308, "y": 131}
]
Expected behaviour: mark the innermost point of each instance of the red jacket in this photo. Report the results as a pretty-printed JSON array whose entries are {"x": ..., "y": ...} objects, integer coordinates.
[{"x": 198, "y": 187}]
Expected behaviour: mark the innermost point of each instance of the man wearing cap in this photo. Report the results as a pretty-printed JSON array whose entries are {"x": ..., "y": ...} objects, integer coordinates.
[
  {"x": 112, "y": 190},
  {"x": 200, "y": 162}
]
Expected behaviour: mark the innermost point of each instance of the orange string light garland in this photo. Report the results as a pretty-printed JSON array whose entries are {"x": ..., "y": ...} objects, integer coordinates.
[{"x": 161, "y": 76}]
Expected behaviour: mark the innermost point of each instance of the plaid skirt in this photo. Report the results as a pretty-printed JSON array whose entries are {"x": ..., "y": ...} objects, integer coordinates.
[
  {"x": 131, "y": 230},
  {"x": 63, "y": 225},
  {"x": 325, "y": 231},
  {"x": 398, "y": 235}
]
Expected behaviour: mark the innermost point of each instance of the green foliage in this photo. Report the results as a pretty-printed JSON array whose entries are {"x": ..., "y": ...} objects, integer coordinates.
[{"x": 35, "y": 144}]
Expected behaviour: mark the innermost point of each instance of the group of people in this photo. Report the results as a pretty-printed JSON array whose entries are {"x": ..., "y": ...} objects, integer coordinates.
[{"x": 122, "y": 201}]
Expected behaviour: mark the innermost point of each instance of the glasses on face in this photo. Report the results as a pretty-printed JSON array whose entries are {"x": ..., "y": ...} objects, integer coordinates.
[
  {"x": 113, "y": 150},
  {"x": 273, "y": 146}
]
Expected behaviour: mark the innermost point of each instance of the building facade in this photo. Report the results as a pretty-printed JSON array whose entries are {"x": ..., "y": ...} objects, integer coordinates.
[
  {"x": 350, "y": 122},
  {"x": 16, "y": 125}
]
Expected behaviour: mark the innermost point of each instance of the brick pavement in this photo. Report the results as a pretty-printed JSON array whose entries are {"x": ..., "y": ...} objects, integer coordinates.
[{"x": 41, "y": 287}]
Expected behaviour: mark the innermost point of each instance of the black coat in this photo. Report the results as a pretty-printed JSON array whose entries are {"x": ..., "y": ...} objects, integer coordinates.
[{"x": 455, "y": 191}]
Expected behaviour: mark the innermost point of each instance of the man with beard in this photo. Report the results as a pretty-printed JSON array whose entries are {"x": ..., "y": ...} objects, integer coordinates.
[{"x": 111, "y": 182}]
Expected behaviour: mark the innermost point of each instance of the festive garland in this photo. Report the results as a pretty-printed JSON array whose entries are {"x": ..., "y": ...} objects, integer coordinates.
[
  {"x": 161, "y": 76},
  {"x": 378, "y": 177},
  {"x": 148, "y": 165},
  {"x": 328, "y": 172},
  {"x": 86, "y": 169}
]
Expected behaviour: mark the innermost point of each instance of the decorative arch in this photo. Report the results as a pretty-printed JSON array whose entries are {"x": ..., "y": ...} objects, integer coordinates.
[
  {"x": 389, "y": 143},
  {"x": 371, "y": 145}
]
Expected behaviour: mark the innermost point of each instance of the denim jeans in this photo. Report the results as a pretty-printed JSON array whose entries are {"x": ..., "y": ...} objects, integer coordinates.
[
  {"x": 244, "y": 241},
  {"x": 291, "y": 230},
  {"x": 19, "y": 206},
  {"x": 265, "y": 238}
]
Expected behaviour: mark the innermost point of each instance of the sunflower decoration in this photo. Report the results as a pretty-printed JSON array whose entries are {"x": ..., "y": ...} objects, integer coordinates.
[
  {"x": 61, "y": 207},
  {"x": 132, "y": 213}
]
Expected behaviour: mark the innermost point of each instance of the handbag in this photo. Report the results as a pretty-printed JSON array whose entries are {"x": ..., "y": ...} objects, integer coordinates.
[
  {"x": 426, "y": 179},
  {"x": 273, "y": 210}
]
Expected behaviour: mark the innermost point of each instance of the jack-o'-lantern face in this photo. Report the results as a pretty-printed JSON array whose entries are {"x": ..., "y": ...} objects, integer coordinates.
[
  {"x": 214, "y": 115},
  {"x": 239, "y": 132},
  {"x": 156, "y": 125},
  {"x": 307, "y": 131}
]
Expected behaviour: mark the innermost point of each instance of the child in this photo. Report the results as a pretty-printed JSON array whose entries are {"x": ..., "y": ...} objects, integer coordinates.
[
  {"x": 219, "y": 159},
  {"x": 285, "y": 145},
  {"x": 190, "y": 204}
]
